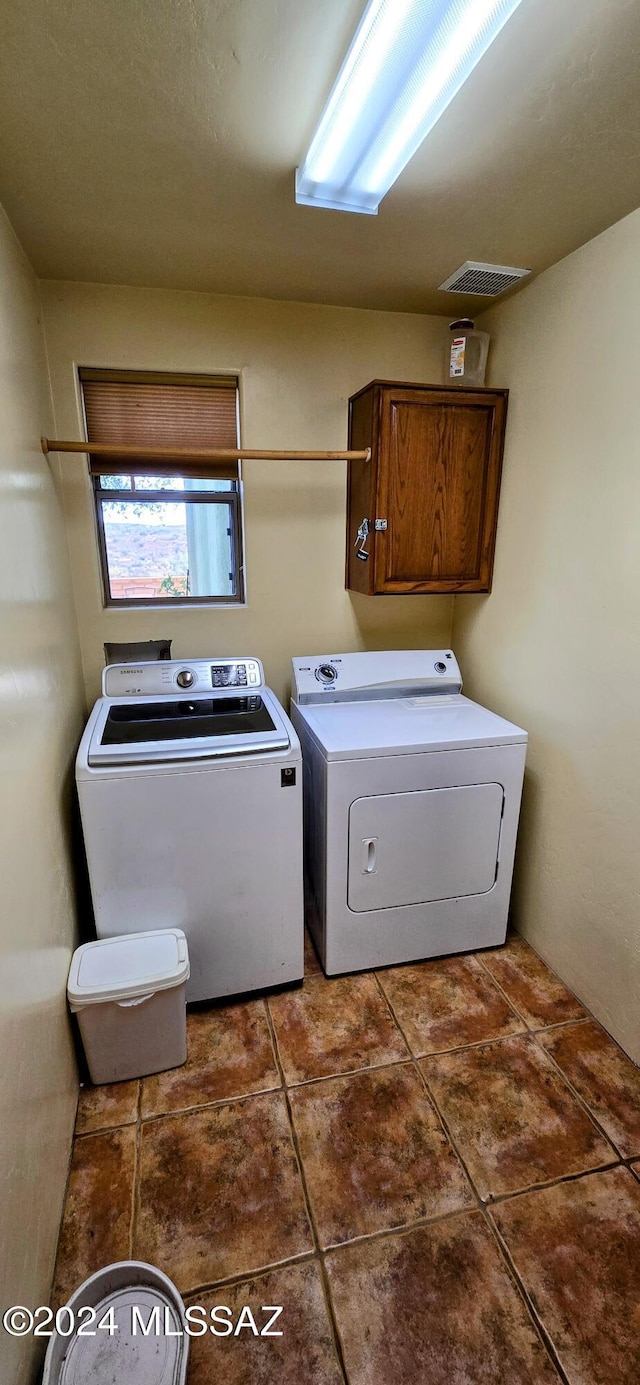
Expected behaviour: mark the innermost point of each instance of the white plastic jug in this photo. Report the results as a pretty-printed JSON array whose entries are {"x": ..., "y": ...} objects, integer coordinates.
[{"x": 467, "y": 351}]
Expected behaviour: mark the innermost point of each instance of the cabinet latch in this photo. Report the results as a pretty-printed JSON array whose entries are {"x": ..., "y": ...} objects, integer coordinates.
[
  {"x": 361, "y": 540},
  {"x": 380, "y": 525}
]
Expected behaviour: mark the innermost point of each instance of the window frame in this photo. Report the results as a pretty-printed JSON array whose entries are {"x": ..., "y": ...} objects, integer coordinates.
[{"x": 232, "y": 499}]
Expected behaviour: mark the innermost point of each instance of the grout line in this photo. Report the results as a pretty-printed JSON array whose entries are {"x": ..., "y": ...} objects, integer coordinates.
[
  {"x": 538, "y": 1324},
  {"x": 503, "y": 993},
  {"x": 137, "y": 1176},
  {"x": 494, "y": 1199},
  {"x": 333, "y": 1320},
  {"x": 351, "y": 1072},
  {"x": 272, "y": 1040},
  {"x": 511, "y": 1003},
  {"x": 103, "y": 1130},
  {"x": 305, "y": 1257},
  {"x": 477, "y": 1043},
  {"x": 394, "y": 1017},
  {"x": 337, "y": 1342},
  {"x": 580, "y": 1099},
  {"x": 402, "y": 1228},
  {"x": 561, "y": 1024},
  {"x": 208, "y": 1105},
  {"x": 294, "y": 1141}
]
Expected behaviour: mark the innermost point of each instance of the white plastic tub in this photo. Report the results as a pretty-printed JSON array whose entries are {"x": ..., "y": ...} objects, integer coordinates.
[
  {"x": 125, "y": 1356},
  {"x": 129, "y": 994}
]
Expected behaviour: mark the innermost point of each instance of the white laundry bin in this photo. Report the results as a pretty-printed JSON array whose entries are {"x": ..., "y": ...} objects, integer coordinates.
[{"x": 129, "y": 994}]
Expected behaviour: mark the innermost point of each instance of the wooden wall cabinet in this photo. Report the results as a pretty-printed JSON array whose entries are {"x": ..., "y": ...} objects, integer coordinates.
[{"x": 429, "y": 493}]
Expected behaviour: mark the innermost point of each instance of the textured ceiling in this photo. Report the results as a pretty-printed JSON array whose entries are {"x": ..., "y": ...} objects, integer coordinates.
[{"x": 154, "y": 141}]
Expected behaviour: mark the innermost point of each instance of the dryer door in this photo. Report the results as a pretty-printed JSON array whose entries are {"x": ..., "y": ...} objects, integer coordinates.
[{"x": 411, "y": 848}]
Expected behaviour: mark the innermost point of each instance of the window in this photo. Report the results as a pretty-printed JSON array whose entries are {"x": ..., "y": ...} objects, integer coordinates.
[{"x": 167, "y": 530}]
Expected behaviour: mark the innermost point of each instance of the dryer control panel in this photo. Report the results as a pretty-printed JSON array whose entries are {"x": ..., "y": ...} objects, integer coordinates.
[
  {"x": 374, "y": 675},
  {"x": 181, "y": 675}
]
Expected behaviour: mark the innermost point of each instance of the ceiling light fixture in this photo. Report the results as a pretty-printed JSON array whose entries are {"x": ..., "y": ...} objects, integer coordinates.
[{"x": 407, "y": 61}]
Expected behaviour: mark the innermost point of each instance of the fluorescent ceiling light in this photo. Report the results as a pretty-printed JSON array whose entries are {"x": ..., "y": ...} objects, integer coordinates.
[{"x": 407, "y": 61}]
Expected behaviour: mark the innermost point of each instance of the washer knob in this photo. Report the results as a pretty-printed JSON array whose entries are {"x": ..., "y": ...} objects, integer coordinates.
[
  {"x": 440, "y": 667},
  {"x": 186, "y": 678},
  {"x": 326, "y": 673}
]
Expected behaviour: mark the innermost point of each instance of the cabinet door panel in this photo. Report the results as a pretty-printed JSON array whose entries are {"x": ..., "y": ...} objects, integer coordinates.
[{"x": 437, "y": 486}]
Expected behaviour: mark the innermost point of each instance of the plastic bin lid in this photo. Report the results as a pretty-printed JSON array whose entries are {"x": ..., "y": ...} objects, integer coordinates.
[{"x": 122, "y": 968}]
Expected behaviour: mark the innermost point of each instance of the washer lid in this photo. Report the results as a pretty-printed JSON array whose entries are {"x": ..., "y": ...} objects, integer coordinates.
[
  {"x": 122, "y": 968},
  {"x": 405, "y": 726},
  {"x": 169, "y": 728}
]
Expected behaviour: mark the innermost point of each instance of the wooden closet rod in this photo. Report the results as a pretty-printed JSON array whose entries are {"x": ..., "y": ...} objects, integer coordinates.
[{"x": 198, "y": 454}]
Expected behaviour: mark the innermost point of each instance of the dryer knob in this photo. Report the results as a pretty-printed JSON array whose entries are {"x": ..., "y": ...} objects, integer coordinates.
[
  {"x": 186, "y": 678},
  {"x": 440, "y": 667},
  {"x": 326, "y": 673}
]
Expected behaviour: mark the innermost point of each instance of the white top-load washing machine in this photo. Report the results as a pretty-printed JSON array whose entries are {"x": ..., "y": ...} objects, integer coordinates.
[
  {"x": 189, "y": 781},
  {"x": 411, "y": 802}
]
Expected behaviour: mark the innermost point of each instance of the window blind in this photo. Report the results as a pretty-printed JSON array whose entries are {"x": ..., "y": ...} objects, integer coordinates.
[{"x": 159, "y": 410}]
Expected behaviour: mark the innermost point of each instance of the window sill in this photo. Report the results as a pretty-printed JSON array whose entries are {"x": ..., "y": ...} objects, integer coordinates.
[{"x": 124, "y": 606}]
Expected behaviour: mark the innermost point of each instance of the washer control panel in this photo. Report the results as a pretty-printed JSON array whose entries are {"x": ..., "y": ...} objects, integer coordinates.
[
  {"x": 181, "y": 675},
  {"x": 231, "y": 675}
]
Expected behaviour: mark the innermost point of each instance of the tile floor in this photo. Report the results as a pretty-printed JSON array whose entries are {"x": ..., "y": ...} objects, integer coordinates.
[{"x": 434, "y": 1169}]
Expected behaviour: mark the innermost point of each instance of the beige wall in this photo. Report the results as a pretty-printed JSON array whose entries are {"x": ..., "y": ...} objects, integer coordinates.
[
  {"x": 556, "y": 645},
  {"x": 298, "y": 364},
  {"x": 41, "y": 718}
]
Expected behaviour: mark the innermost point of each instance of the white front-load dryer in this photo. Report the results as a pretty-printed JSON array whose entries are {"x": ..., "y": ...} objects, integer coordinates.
[{"x": 411, "y": 803}]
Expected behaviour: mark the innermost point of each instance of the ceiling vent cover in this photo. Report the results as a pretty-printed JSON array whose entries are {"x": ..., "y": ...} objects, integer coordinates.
[{"x": 487, "y": 280}]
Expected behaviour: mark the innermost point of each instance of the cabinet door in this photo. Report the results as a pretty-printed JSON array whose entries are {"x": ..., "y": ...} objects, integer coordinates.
[{"x": 438, "y": 479}]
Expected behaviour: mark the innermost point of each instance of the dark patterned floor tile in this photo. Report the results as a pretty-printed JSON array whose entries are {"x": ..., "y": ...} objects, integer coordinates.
[
  {"x": 304, "y": 1352},
  {"x": 537, "y": 994},
  {"x": 513, "y": 1118},
  {"x": 96, "y": 1224},
  {"x": 229, "y": 1055},
  {"x": 447, "y": 1003},
  {"x": 577, "y": 1249},
  {"x": 103, "y": 1108},
  {"x": 606, "y": 1079},
  {"x": 374, "y": 1153},
  {"x": 220, "y": 1192},
  {"x": 434, "y": 1306},
  {"x": 332, "y": 1027}
]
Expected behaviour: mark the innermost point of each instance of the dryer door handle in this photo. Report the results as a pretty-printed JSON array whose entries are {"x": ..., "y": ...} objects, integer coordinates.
[{"x": 369, "y": 855}]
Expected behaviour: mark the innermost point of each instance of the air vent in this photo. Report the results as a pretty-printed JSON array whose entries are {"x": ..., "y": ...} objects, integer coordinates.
[{"x": 487, "y": 280}]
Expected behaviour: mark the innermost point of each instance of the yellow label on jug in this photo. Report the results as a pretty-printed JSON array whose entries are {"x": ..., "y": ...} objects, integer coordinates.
[{"x": 456, "y": 359}]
